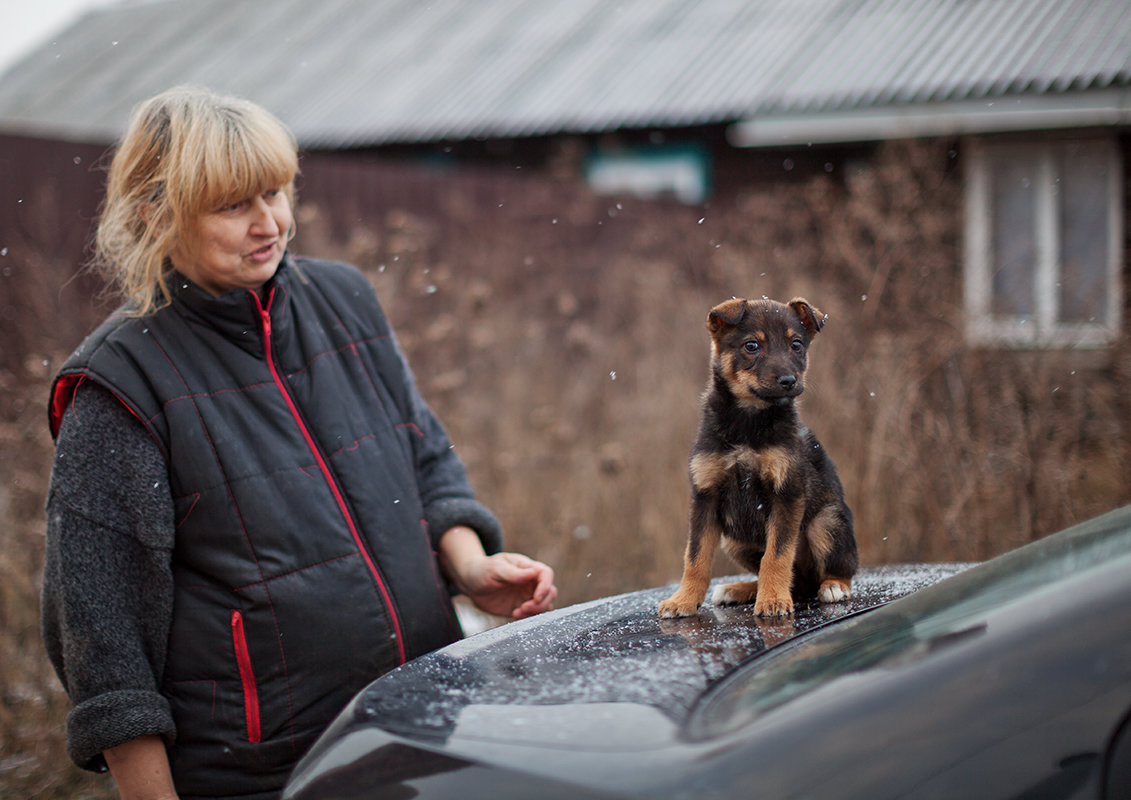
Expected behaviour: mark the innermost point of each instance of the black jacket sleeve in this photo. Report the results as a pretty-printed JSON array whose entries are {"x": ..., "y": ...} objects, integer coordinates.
[{"x": 108, "y": 590}]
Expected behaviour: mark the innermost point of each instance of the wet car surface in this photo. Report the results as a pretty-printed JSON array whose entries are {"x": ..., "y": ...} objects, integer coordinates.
[{"x": 1005, "y": 677}]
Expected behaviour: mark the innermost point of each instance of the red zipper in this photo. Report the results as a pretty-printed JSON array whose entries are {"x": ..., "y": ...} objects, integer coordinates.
[
  {"x": 327, "y": 475},
  {"x": 247, "y": 677}
]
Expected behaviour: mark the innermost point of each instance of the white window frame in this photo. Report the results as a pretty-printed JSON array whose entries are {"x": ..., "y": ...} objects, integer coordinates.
[{"x": 1044, "y": 329}]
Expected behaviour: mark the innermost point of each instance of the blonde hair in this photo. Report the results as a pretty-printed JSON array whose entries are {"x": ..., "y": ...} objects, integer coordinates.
[{"x": 186, "y": 152}]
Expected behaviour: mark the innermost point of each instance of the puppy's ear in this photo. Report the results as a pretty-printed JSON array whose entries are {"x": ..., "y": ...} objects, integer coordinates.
[
  {"x": 811, "y": 316},
  {"x": 726, "y": 315}
]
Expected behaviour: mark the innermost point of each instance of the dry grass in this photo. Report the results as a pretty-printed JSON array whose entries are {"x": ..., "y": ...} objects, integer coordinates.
[
  {"x": 33, "y": 762},
  {"x": 560, "y": 337}
]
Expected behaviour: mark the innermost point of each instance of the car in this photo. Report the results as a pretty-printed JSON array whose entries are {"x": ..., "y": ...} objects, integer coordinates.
[{"x": 1009, "y": 678}]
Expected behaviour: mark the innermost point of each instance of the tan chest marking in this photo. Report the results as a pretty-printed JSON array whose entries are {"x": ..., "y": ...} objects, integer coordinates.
[{"x": 772, "y": 464}]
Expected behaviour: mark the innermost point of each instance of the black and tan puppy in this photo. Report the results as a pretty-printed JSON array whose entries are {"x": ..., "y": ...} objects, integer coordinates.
[{"x": 760, "y": 480}]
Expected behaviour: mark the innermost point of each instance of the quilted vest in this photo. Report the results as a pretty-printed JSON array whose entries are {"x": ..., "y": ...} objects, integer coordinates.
[{"x": 302, "y": 565}]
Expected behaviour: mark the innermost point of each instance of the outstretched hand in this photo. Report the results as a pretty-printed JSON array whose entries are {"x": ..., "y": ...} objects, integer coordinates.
[
  {"x": 511, "y": 585},
  {"x": 504, "y": 584}
]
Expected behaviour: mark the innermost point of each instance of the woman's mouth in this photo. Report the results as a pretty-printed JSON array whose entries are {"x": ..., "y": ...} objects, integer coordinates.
[{"x": 263, "y": 253}]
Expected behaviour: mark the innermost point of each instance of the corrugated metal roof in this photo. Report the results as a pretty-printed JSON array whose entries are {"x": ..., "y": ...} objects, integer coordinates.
[{"x": 371, "y": 72}]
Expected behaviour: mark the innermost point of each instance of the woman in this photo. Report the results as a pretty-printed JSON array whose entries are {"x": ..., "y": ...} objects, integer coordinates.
[{"x": 252, "y": 512}]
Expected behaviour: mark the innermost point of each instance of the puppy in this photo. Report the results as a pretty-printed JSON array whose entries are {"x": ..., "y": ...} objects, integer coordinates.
[{"x": 760, "y": 481}]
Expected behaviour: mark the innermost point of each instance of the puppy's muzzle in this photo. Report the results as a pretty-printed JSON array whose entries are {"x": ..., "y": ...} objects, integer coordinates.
[{"x": 784, "y": 388}]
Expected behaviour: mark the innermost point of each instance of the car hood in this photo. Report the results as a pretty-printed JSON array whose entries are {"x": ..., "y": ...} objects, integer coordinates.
[
  {"x": 1011, "y": 677},
  {"x": 609, "y": 674}
]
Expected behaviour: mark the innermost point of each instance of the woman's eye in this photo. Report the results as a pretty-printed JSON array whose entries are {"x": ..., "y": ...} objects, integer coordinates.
[{"x": 751, "y": 347}]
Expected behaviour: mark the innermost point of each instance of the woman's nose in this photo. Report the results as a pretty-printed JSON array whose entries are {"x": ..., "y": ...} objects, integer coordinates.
[{"x": 263, "y": 220}]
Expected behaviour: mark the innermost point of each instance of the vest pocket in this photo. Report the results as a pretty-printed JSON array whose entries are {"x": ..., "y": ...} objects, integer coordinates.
[{"x": 247, "y": 677}]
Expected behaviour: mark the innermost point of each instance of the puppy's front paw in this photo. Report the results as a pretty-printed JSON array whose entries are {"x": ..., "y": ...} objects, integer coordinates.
[
  {"x": 834, "y": 591},
  {"x": 678, "y": 605},
  {"x": 774, "y": 606},
  {"x": 671, "y": 608}
]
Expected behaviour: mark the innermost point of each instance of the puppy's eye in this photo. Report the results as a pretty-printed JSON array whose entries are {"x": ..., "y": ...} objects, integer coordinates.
[
  {"x": 797, "y": 345},
  {"x": 751, "y": 347}
]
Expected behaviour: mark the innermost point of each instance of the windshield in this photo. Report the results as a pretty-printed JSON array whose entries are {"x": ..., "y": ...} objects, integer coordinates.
[{"x": 946, "y": 613}]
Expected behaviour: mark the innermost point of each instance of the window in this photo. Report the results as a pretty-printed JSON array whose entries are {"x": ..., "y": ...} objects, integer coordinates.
[
  {"x": 1044, "y": 232},
  {"x": 678, "y": 171}
]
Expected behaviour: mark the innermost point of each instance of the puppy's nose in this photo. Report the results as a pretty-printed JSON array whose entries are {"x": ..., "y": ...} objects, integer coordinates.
[{"x": 787, "y": 381}]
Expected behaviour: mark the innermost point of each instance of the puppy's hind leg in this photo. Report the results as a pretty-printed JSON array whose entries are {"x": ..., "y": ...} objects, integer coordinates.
[
  {"x": 834, "y": 549},
  {"x": 835, "y": 590},
  {"x": 734, "y": 594},
  {"x": 748, "y": 557}
]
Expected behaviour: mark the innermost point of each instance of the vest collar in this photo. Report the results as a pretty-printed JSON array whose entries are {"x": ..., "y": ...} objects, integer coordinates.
[{"x": 236, "y": 314}]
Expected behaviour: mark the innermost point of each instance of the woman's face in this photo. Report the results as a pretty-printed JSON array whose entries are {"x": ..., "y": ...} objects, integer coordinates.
[{"x": 238, "y": 246}]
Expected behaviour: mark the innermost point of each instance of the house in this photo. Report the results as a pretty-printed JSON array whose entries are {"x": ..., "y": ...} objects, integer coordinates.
[
  {"x": 445, "y": 76},
  {"x": 956, "y": 168}
]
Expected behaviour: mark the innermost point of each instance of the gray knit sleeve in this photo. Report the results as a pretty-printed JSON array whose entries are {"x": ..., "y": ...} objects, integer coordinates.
[
  {"x": 445, "y": 489},
  {"x": 107, "y": 589}
]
